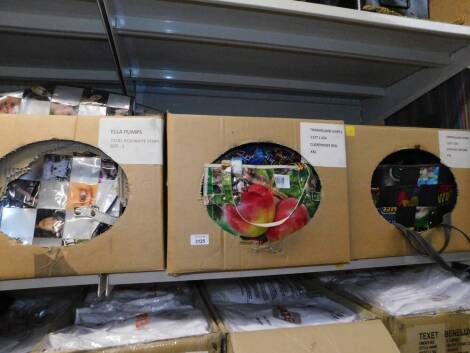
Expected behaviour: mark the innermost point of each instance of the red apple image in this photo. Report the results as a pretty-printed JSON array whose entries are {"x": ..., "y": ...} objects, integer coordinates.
[
  {"x": 295, "y": 222},
  {"x": 257, "y": 205}
]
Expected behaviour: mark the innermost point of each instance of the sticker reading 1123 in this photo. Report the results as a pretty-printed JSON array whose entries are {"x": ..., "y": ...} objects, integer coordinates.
[
  {"x": 132, "y": 140},
  {"x": 323, "y": 145},
  {"x": 454, "y": 148},
  {"x": 199, "y": 239}
]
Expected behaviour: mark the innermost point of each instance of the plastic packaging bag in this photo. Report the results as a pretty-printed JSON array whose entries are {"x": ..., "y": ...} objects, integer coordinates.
[
  {"x": 132, "y": 317},
  {"x": 416, "y": 290}
]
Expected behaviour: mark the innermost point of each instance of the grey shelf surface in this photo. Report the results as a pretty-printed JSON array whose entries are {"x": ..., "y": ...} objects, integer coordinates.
[
  {"x": 307, "y": 60},
  {"x": 162, "y": 276},
  {"x": 381, "y": 62}
]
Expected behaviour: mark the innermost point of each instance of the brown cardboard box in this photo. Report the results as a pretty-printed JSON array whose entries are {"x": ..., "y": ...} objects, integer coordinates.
[
  {"x": 367, "y": 335},
  {"x": 451, "y": 11},
  {"x": 196, "y": 140},
  {"x": 439, "y": 332},
  {"x": 371, "y": 235},
  {"x": 134, "y": 243},
  {"x": 208, "y": 343},
  {"x": 358, "y": 337}
]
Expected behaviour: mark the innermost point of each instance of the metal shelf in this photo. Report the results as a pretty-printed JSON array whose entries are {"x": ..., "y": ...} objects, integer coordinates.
[
  {"x": 212, "y": 56},
  {"x": 381, "y": 62},
  {"x": 162, "y": 277},
  {"x": 54, "y": 41},
  {"x": 233, "y": 57}
]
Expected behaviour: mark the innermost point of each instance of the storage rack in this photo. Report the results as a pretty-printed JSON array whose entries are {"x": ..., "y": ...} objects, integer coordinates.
[
  {"x": 287, "y": 58},
  {"x": 106, "y": 281}
]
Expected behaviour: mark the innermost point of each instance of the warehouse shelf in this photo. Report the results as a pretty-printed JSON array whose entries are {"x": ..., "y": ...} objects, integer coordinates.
[
  {"x": 212, "y": 56},
  {"x": 106, "y": 281},
  {"x": 355, "y": 65},
  {"x": 383, "y": 62},
  {"x": 54, "y": 41}
]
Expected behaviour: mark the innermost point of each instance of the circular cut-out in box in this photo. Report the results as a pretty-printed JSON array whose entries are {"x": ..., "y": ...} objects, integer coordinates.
[
  {"x": 413, "y": 188},
  {"x": 57, "y": 193},
  {"x": 261, "y": 192}
]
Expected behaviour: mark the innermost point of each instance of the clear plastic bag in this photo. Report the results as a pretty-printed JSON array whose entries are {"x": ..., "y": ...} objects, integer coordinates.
[
  {"x": 131, "y": 317},
  {"x": 416, "y": 290}
]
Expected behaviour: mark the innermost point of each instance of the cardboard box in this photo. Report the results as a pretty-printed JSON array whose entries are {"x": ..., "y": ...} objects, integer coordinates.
[
  {"x": 368, "y": 335},
  {"x": 194, "y": 141},
  {"x": 134, "y": 243},
  {"x": 371, "y": 235},
  {"x": 438, "y": 332},
  {"x": 358, "y": 337},
  {"x": 451, "y": 11},
  {"x": 208, "y": 343}
]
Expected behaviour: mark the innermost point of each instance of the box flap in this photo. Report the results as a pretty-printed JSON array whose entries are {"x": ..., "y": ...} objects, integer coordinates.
[{"x": 357, "y": 337}]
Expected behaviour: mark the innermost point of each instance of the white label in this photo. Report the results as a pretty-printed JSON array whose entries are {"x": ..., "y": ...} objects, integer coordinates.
[
  {"x": 199, "y": 239},
  {"x": 282, "y": 181},
  {"x": 323, "y": 145},
  {"x": 454, "y": 148},
  {"x": 132, "y": 140}
]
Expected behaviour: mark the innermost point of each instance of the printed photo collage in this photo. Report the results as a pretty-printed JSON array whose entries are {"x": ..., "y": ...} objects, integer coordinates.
[
  {"x": 41, "y": 208},
  {"x": 417, "y": 197},
  {"x": 64, "y": 100}
]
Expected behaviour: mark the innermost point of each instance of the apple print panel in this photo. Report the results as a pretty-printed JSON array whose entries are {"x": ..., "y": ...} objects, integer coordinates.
[{"x": 261, "y": 192}]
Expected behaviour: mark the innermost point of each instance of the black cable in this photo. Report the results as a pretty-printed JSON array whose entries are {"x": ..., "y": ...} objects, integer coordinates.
[{"x": 423, "y": 247}]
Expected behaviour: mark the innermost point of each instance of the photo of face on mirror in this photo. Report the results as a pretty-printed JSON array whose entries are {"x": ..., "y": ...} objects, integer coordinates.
[
  {"x": 63, "y": 109},
  {"x": 109, "y": 170},
  {"x": 111, "y": 111},
  {"x": 22, "y": 193},
  {"x": 10, "y": 105},
  {"x": 56, "y": 167},
  {"x": 81, "y": 195},
  {"x": 49, "y": 223},
  {"x": 38, "y": 93}
]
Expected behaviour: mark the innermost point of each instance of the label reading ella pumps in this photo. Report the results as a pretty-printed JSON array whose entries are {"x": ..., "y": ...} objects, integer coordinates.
[
  {"x": 132, "y": 140},
  {"x": 323, "y": 145}
]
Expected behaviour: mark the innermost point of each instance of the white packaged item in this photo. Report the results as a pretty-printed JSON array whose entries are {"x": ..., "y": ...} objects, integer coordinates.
[
  {"x": 132, "y": 317},
  {"x": 310, "y": 312},
  {"x": 256, "y": 290},
  {"x": 417, "y": 290},
  {"x": 120, "y": 309},
  {"x": 141, "y": 329}
]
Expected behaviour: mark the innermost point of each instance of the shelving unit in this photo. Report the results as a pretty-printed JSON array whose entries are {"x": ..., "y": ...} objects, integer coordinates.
[
  {"x": 286, "y": 58},
  {"x": 106, "y": 281},
  {"x": 364, "y": 66},
  {"x": 54, "y": 41}
]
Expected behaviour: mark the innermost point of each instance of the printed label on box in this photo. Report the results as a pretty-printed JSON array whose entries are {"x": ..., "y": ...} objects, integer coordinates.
[
  {"x": 199, "y": 239},
  {"x": 454, "y": 148},
  {"x": 282, "y": 181},
  {"x": 132, "y": 140},
  {"x": 323, "y": 145},
  {"x": 425, "y": 339}
]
